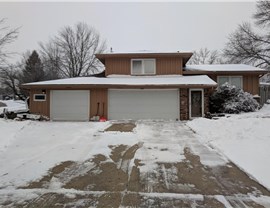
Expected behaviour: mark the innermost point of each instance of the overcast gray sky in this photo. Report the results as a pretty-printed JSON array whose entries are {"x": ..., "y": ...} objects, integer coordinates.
[{"x": 183, "y": 26}]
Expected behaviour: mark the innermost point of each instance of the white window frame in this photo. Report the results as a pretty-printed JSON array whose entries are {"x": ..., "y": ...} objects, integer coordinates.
[
  {"x": 38, "y": 100},
  {"x": 202, "y": 92},
  {"x": 230, "y": 77},
  {"x": 143, "y": 70}
]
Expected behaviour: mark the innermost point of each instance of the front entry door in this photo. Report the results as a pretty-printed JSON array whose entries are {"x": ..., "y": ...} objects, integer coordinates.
[{"x": 196, "y": 101}]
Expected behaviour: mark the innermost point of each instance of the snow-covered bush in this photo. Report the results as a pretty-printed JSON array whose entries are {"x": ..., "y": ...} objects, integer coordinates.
[{"x": 230, "y": 99}]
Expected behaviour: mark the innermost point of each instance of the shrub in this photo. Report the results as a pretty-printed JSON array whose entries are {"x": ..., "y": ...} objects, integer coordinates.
[{"x": 230, "y": 99}]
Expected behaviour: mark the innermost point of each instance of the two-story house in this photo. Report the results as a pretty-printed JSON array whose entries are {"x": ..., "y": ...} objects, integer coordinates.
[{"x": 139, "y": 86}]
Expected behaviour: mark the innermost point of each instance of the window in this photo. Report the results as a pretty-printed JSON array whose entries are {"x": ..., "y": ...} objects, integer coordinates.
[
  {"x": 39, "y": 97},
  {"x": 143, "y": 66},
  {"x": 232, "y": 80}
]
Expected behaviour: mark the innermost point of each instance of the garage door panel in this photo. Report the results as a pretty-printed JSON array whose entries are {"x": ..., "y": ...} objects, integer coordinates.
[
  {"x": 70, "y": 105},
  {"x": 143, "y": 104}
]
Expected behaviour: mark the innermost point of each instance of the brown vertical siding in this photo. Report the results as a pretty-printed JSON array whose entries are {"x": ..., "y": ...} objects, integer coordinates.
[
  {"x": 117, "y": 66},
  {"x": 168, "y": 65},
  {"x": 213, "y": 77},
  {"x": 245, "y": 83},
  {"x": 40, "y": 107},
  {"x": 256, "y": 85},
  {"x": 98, "y": 96},
  {"x": 250, "y": 82},
  {"x": 164, "y": 65},
  {"x": 184, "y": 104}
]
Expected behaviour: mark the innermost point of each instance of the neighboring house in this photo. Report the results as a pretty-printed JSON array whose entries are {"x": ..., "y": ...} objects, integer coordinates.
[{"x": 139, "y": 86}]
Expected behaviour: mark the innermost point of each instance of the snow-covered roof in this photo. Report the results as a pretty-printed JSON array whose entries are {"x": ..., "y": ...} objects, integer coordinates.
[
  {"x": 166, "y": 80},
  {"x": 265, "y": 83},
  {"x": 145, "y": 52},
  {"x": 223, "y": 67}
]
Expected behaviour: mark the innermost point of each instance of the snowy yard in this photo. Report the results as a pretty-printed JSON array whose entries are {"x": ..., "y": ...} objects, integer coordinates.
[
  {"x": 38, "y": 146},
  {"x": 160, "y": 163},
  {"x": 12, "y": 105},
  {"x": 244, "y": 139}
]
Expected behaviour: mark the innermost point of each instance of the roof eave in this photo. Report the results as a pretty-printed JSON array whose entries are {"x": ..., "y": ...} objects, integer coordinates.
[
  {"x": 89, "y": 86},
  {"x": 102, "y": 56},
  {"x": 203, "y": 72}
]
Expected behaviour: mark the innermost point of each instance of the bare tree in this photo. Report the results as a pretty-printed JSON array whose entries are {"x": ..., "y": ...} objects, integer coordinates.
[
  {"x": 7, "y": 35},
  {"x": 29, "y": 69},
  {"x": 250, "y": 47},
  {"x": 205, "y": 56},
  {"x": 72, "y": 51},
  {"x": 50, "y": 56},
  {"x": 9, "y": 78},
  {"x": 262, "y": 14}
]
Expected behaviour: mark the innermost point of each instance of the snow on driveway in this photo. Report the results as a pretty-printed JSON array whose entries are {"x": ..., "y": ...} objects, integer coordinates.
[
  {"x": 160, "y": 161},
  {"x": 244, "y": 139},
  {"x": 173, "y": 137},
  {"x": 28, "y": 149}
]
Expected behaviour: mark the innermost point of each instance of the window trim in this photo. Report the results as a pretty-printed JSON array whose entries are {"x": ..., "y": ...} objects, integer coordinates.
[
  {"x": 39, "y": 100},
  {"x": 143, "y": 70},
  {"x": 224, "y": 76}
]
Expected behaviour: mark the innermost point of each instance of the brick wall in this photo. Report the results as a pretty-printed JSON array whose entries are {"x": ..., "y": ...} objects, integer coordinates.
[
  {"x": 206, "y": 100},
  {"x": 184, "y": 110}
]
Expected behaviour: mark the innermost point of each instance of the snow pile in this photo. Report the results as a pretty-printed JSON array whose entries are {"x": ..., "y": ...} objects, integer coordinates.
[
  {"x": 230, "y": 99},
  {"x": 13, "y": 105},
  {"x": 243, "y": 138}
]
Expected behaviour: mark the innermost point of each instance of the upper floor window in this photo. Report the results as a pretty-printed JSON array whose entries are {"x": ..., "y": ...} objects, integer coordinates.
[
  {"x": 232, "y": 80},
  {"x": 143, "y": 66}
]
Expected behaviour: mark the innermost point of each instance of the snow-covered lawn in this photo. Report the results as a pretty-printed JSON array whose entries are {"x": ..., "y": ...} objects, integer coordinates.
[
  {"x": 13, "y": 105},
  {"x": 243, "y": 138},
  {"x": 28, "y": 149}
]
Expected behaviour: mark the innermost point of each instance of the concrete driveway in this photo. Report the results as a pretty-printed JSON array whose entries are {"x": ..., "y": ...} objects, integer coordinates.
[{"x": 166, "y": 167}]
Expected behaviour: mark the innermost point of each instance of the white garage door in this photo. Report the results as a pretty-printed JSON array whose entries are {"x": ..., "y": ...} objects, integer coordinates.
[
  {"x": 143, "y": 104},
  {"x": 70, "y": 105}
]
